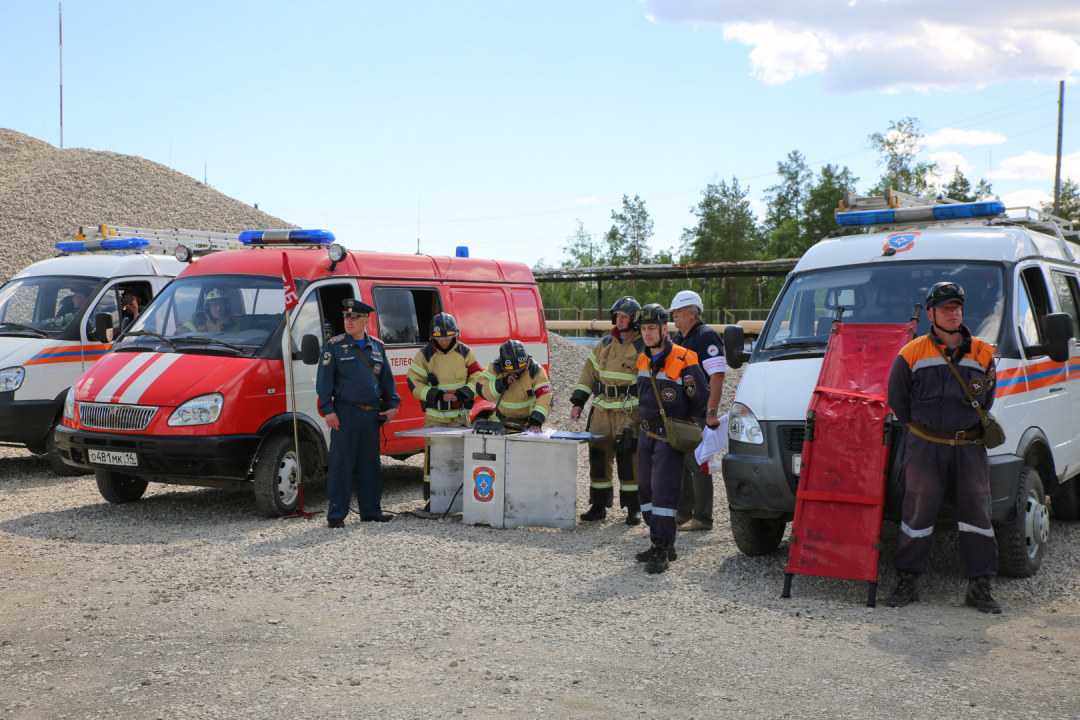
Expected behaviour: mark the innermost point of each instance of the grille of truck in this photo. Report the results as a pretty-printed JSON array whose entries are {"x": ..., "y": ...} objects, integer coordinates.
[{"x": 106, "y": 416}]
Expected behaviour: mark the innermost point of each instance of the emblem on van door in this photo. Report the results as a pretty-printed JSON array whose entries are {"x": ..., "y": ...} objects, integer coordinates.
[
  {"x": 975, "y": 386},
  {"x": 901, "y": 241}
]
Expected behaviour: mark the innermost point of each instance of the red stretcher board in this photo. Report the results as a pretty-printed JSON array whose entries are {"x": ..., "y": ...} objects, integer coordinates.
[{"x": 845, "y": 458}]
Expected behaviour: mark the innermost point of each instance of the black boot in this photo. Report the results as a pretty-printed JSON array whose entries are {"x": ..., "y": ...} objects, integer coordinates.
[
  {"x": 978, "y": 596},
  {"x": 596, "y": 512},
  {"x": 907, "y": 590},
  {"x": 646, "y": 555},
  {"x": 661, "y": 558},
  {"x": 633, "y": 517}
]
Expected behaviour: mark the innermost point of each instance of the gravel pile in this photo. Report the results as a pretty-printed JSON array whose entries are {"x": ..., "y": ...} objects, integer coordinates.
[{"x": 46, "y": 194}]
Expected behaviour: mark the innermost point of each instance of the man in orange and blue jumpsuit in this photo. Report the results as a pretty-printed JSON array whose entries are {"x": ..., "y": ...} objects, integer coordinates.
[
  {"x": 945, "y": 446},
  {"x": 684, "y": 391}
]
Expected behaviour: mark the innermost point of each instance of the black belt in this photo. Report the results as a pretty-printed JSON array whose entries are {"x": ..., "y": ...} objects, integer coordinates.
[
  {"x": 971, "y": 436},
  {"x": 443, "y": 406},
  {"x": 615, "y": 392}
]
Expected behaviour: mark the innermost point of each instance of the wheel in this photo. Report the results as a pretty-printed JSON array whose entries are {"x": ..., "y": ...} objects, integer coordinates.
[
  {"x": 1065, "y": 503},
  {"x": 1021, "y": 543},
  {"x": 119, "y": 488},
  {"x": 56, "y": 460},
  {"x": 756, "y": 536},
  {"x": 277, "y": 488}
]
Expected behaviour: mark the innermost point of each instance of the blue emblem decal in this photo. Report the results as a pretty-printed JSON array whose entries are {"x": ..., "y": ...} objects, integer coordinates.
[{"x": 484, "y": 482}]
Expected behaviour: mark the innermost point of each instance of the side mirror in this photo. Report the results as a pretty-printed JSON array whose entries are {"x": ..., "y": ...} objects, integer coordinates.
[
  {"x": 310, "y": 349},
  {"x": 733, "y": 346},
  {"x": 1057, "y": 330},
  {"x": 102, "y": 326}
]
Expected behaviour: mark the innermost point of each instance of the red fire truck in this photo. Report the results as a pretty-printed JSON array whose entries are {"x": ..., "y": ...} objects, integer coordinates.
[{"x": 191, "y": 395}]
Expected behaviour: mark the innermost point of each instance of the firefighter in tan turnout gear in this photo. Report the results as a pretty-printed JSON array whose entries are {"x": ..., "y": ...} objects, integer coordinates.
[
  {"x": 610, "y": 377},
  {"x": 441, "y": 377},
  {"x": 519, "y": 387}
]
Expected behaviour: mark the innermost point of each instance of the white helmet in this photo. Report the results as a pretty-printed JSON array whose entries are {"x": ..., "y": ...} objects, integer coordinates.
[{"x": 686, "y": 298}]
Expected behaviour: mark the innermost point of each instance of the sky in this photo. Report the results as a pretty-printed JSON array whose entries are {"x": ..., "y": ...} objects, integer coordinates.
[{"x": 498, "y": 126}]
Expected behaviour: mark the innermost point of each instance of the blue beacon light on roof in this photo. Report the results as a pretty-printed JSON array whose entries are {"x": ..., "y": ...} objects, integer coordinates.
[
  {"x": 927, "y": 213},
  {"x": 74, "y": 246},
  {"x": 287, "y": 237}
]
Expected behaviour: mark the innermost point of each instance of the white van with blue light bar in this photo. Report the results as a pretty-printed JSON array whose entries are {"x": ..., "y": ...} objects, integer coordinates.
[
  {"x": 58, "y": 316},
  {"x": 1017, "y": 266}
]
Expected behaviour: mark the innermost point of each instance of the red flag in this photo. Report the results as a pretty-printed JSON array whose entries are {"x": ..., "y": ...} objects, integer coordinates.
[{"x": 291, "y": 298}]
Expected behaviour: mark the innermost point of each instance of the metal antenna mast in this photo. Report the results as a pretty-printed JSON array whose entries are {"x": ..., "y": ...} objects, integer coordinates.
[
  {"x": 1057, "y": 171},
  {"x": 61, "y": 5}
]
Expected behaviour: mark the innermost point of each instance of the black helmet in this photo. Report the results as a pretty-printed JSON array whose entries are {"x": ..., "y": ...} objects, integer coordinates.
[
  {"x": 652, "y": 314},
  {"x": 942, "y": 292},
  {"x": 627, "y": 306},
  {"x": 513, "y": 356},
  {"x": 443, "y": 325}
]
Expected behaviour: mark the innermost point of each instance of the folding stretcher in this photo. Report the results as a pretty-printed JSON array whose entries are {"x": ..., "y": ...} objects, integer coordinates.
[{"x": 845, "y": 457}]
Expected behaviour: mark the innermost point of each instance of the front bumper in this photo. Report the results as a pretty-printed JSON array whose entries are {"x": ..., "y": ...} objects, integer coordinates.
[
  {"x": 26, "y": 421},
  {"x": 760, "y": 481},
  {"x": 163, "y": 457}
]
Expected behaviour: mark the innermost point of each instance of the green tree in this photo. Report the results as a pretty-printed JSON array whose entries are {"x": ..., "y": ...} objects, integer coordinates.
[
  {"x": 787, "y": 199},
  {"x": 628, "y": 238},
  {"x": 582, "y": 249},
  {"x": 726, "y": 231},
  {"x": 1070, "y": 201},
  {"x": 959, "y": 188},
  {"x": 823, "y": 200},
  {"x": 898, "y": 148}
]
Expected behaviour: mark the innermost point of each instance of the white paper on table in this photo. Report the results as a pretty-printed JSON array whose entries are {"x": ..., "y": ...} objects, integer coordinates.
[
  {"x": 713, "y": 442},
  {"x": 530, "y": 435}
]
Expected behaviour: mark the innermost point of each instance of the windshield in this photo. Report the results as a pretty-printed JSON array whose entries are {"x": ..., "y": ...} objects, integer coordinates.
[
  {"x": 239, "y": 310},
  {"x": 879, "y": 294},
  {"x": 46, "y": 303}
]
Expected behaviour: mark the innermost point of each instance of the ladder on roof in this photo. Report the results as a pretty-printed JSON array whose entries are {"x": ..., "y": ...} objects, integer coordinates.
[{"x": 106, "y": 237}]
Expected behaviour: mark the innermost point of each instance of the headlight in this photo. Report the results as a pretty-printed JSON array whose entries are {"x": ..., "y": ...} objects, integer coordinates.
[
  {"x": 202, "y": 410},
  {"x": 11, "y": 379},
  {"x": 743, "y": 426},
  {"x": 69, "y": 404}
]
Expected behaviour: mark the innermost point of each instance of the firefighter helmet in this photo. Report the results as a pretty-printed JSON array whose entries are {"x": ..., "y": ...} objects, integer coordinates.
[
  {"x": 627, "y": 306},
  {"x": 943, "y": 292},
  {"x": 652, "y": 314},
  {"x": 513, "y": 357},
  {"x": 217, "y": 294},
  {"x": 444, "y": 325}
]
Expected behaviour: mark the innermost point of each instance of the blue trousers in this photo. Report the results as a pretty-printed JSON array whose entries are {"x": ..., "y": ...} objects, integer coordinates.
[
  {"x": 355, "y": 462},
  {"x": 660, "y": 475},
  {"x": 929, "y": 468}
]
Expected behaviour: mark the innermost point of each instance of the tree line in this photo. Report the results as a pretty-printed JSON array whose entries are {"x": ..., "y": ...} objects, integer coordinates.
[{"x": 799, "y": 212}]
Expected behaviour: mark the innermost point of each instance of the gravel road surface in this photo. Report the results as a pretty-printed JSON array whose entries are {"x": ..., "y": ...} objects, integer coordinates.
[{"x": 186, "y": 604}]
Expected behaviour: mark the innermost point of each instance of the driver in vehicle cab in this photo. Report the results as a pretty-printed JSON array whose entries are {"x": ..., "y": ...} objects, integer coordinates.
[{"x": 217, "y": 318}]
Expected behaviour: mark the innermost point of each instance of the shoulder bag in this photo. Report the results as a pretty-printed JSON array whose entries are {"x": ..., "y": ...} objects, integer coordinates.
[
  {"x": 993, "y": 432},
  {"x": 682, "y": 435}
]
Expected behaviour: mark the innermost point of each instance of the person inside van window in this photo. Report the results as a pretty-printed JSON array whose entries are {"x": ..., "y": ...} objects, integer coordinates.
[
  {"x": 217, "y": 317},
  {"x": 945, "y": 446},
  {"x": 73, "y": 303}
]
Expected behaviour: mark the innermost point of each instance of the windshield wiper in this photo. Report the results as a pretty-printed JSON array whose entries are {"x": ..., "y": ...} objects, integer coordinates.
[
  {"x": 796, "y": 352},
  {"x": 26, "y": 328},
  {"x": 785, "y": 346},
  {"x": 203, "y": 338},
  {"x": 147, "y": 333}
]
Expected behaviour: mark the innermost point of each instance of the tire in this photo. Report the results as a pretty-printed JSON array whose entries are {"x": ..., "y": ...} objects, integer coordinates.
[
  {"x": 276, "y": 482},
  {"x": 119, "y": 488},
  {"x": 756, "y": 536},
  {"x": 1065, "y": 503},
  {"x": 1022, "y": 543},
  {"x": 56, "y": 460}
]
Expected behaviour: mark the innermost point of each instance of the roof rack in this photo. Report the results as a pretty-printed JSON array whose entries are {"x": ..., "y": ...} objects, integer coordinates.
[{"x": 185, "y": 244}]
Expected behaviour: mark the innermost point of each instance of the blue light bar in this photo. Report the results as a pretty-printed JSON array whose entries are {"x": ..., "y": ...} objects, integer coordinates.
[
  {"x": 108, "y": 244},
  {"x": 927, "y": 213},
  {"x": 287, "y": 237}
]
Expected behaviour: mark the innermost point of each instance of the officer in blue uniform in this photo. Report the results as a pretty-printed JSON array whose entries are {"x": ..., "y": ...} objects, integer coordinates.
[{"x": 357, "y": 395}]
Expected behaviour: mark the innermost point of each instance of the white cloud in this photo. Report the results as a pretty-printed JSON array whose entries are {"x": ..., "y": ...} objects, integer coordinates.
[
  {"x": 1036, "y": 166},
  {"x": 887, "y": 45},
  {"x": 591, "y": 199},
  {"x": 952, "y": 136},
  {"x": 1028, "y": 197},
  {"x": 947, "y": 163}
]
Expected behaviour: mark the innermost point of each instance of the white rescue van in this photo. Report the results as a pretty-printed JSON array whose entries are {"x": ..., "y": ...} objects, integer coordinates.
[
  {"x": 1015, "y": 271},
  {"x": 51, "y": 331}
]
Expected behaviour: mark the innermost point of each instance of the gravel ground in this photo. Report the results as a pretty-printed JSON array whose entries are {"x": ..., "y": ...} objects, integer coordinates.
[
  {"x": 187, "y": 604},
  {"x": 47, "y": 193}
]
